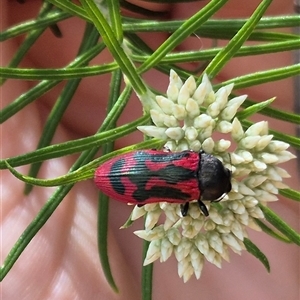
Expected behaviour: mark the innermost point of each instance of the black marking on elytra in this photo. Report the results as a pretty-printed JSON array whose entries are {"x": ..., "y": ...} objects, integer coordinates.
[
  {"x": 160, "y": 192},
  {"x": 115, "y": 181},
  {"x": 160, "y": 157},
  {"x": 171, "y": 174}
]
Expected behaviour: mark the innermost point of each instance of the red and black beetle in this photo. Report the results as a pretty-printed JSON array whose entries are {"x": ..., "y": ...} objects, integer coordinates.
[{"x": 149, "y": 176}]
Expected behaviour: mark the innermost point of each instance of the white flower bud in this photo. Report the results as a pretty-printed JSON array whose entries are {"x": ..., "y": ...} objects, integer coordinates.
[
  {"x": 211, "y": 255},
  {"x": 172, "y": 92},
  {"x": 195, "y": 146},
  {"x": 152, "y": 219},
  {"x": 254, "y": 181},
  {"x": 166, "y": 250},
  {"x": 189, "y": 232},
  {"x": 170, "y": 121},
  {"x": 284, "y": 156},
  {"x": 237, "y": 130},
  {"x": 183, "y": 249},
  {"x": 213, "y": 109},
  {"x": 265, "y": 196},
  {"x": 202, "y": 121},
  {"x": 281, "y": 172},
  {"x": 224, "y": 127},
  {"x": 210, "y": 95},
  {"x": 243, "y": 218},
  {"x": 137, "y": 212},
  {"x": 237, "y": 230},
  {"x": 151, "y": 207},
  {"x": 237, "y": 101},
  {"x": 175, "y": 133},
  {"x": 182, "y": 146},
  {"x": 255, "y": 212},
  {"x": 246, "y": 155},
  {"x": 228, "y": 216},
  {"x": 242, "y": 171},
  {"x": 227, "y": 89},
  {"x": 269, "y": 187},
  {"x": 198, "y": 224},
  {"x": 194, "y": 213},
  {"x": 280, "y": 185},
  {"x": 207, "y": 83},
  {"x": 175, "y": 80},
  {"x": 191, "y": 133},
  {"x": 185, "y": 269},
  {"x": 222, "y": 96},
  {"x": 157, "y": 132},
  {"x": 250, "y": 202},
  {"x": 231, "y": 109},
  {"x": 205, "y": 133},
  {"x": 200, "y": 93},
  {"x": 150, "y": 235},
  {"x": 197, "y": 262},
  {"x": 258, "y": 166},
  {"x": 208, "y": 145},
  {"x": 192, "y": 108},
  {"x": 223, "y": 229},
  {"x": 186, "y": 90},
  {"x": 236, "y": 159},
  {"x": 277, "y": 146},
  {"x": 169, "y": 211},
  {"x": 174, "y": 236},
  {"x": 256, "y": 128},
  {"x": 237, "y": 207},
  {"x": 209, "y": 225},
  {"x": 215, "y": 241},
  {"x": 153, "y": 252},
  {"x": 157, "y": 117},
  {"x": 222, "y": 145},
  {"x": 165, "y": 104},
  {"x": 249, "y": 142},
  {"x": 243, "y": 189},
  {"x": 230, "y": 240},
  {"x": 171, "y": 145},
  {"x": 201, "y": 243},
  {"x": 215, "y": 216},
  {"x": 263, "y": 142},
  {"x": 272, "y": 174},
  {"x": 179, "y": 111},
  {"x": 269, "y": 158}
]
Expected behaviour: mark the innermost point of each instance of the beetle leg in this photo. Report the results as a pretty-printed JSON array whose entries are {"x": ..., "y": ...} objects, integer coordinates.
[
  {"x": 203, "y": 208},
  {"x": 184, "y": 208}
]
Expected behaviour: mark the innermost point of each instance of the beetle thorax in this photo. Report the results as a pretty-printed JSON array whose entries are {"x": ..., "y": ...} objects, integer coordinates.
[{"x": 214, "y": 178}]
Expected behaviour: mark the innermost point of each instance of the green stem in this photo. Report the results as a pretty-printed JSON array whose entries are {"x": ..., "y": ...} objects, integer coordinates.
[
  {"x": 237, "y": 41},
  {"x": 187, "y": 28},
  {"x": 103, "y": 204},
  {"x": 114, "y": 46},
  {"x": 75, "y": 146}
]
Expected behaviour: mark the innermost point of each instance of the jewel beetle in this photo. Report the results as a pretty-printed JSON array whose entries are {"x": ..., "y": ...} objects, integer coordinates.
[{"x": 149, "y": 176}]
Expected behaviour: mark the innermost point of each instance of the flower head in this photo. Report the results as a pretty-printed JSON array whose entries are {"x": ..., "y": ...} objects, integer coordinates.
[{"x": 194, "y": 117}]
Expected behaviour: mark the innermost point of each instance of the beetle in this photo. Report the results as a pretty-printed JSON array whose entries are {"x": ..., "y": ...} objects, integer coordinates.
[{"x": 149, "y": 176}]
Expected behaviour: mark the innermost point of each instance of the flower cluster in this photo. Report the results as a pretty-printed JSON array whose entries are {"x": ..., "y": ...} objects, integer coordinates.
[{"x": 194, "y": 117}]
